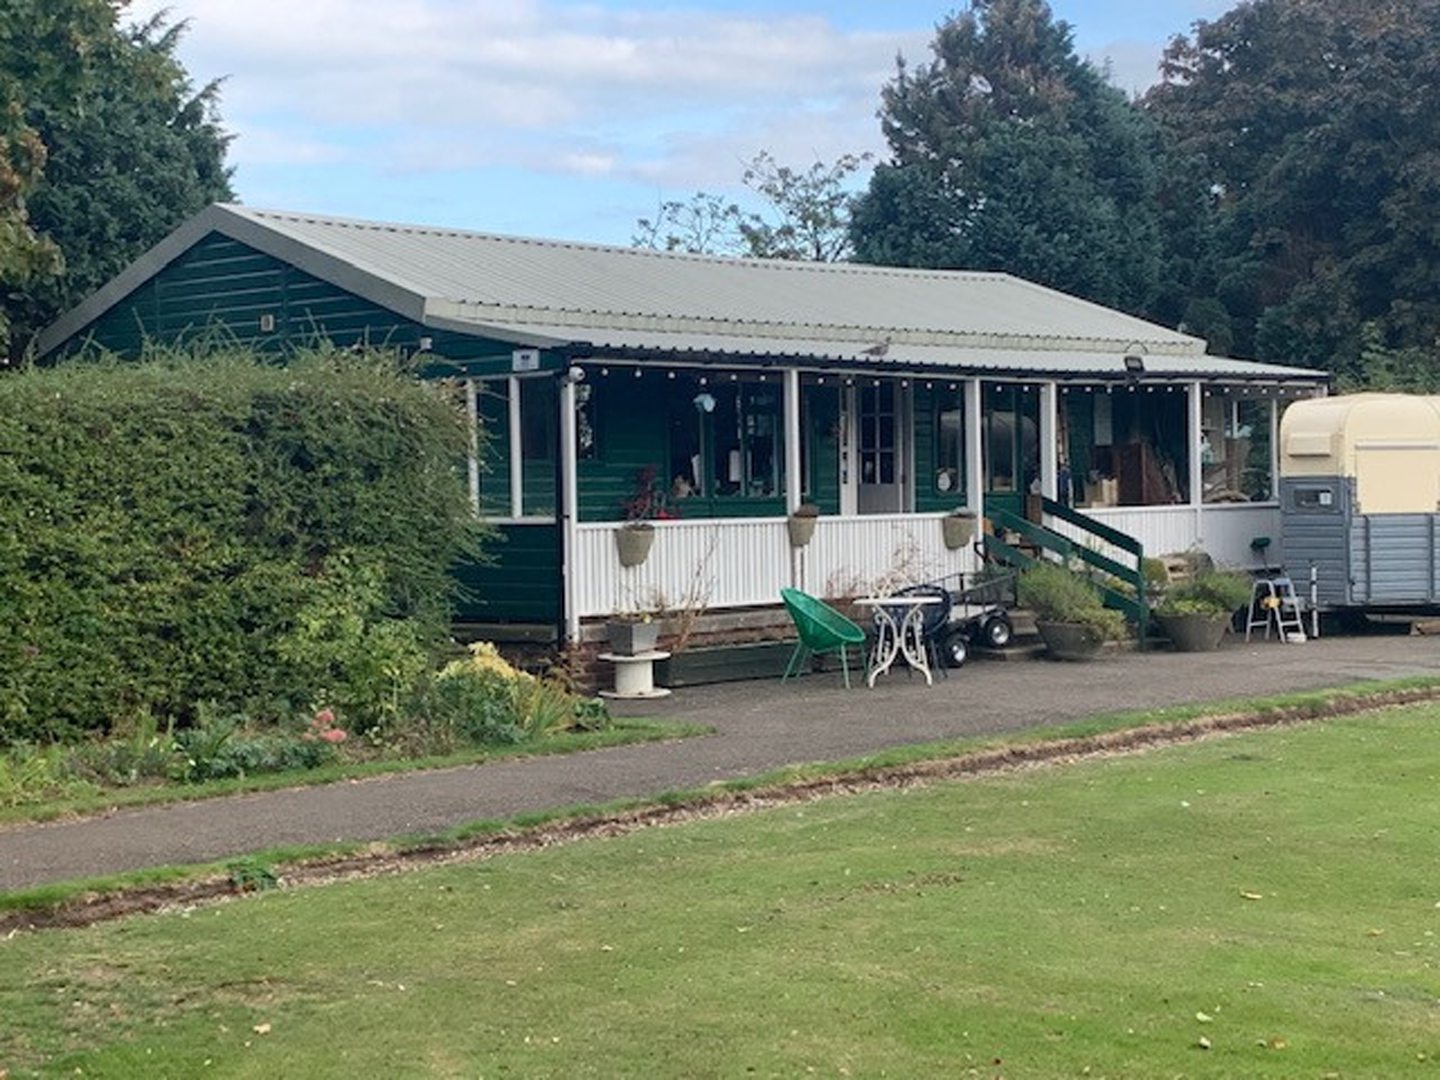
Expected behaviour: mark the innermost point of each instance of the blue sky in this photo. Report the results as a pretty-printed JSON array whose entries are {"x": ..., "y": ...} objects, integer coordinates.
[{"x": 569, "y": 120}]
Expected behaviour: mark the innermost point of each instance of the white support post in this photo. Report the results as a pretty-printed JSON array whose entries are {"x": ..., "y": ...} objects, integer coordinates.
[
  {"x": 1275, "y": 450},
  {"x": 849, "y": 458},
  {"x": 1195, "y": 433},
  {"x": 517, "y": 445},
  {"x": 974, "y": 448},
  {"x": 1049, "y": 441},
  {"x": 794, "y": 482},
  {"x": 567, "y": 510},
  {"x": 472, "y": 463}
]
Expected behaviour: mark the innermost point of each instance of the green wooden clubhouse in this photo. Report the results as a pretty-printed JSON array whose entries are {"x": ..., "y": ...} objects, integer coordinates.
[{"x": 715, "y": 396}]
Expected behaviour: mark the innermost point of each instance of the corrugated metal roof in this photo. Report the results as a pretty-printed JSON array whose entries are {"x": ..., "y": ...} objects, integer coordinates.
[
  {"x": 614, "y": 300},
  {"x": 471, "y": 275}
]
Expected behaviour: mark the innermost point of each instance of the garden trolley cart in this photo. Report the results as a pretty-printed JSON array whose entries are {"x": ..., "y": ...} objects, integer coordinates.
[{"x": 973, "y": 611}]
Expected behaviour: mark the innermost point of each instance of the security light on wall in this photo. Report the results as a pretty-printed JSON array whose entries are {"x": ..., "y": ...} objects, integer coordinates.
[{"x": 1134, "y": 364}]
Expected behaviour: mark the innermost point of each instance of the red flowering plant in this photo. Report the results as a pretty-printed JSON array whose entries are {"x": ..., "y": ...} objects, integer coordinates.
[
  {"x": 322, "y": 728},
  {"x": 649, "y": 501}
]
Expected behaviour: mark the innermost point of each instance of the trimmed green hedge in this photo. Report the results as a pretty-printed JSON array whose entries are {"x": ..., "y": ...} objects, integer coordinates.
[{"x": 220, "y": 529}]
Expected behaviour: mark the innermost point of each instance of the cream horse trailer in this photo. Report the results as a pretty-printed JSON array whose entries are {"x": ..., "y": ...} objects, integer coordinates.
[{"x": 1360, "y": 499}]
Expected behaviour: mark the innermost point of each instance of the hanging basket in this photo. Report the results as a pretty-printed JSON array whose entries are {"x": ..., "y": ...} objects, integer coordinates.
[
  {"x": 802, "y": 529},
  {"x": 958, "y": 530},
  {"x": 632, "y": 543}
]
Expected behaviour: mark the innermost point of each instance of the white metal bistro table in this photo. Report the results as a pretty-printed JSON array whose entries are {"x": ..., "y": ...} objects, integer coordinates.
[{"x": 899, "y": 631}]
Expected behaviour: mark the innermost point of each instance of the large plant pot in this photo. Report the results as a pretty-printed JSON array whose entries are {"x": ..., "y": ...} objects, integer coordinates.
[
  {"x": 958, "y": 530},
  {"x": 628, "y": 638},
  {"x": 1194, "y": 633},
  {"x": 632, "y": 543},
  {"x": 1070, "y": 641},
  {"x": 802, "y": 528}
]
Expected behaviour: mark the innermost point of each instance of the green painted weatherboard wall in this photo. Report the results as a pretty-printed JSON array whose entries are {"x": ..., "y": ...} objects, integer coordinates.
[{"x": 521, "y": 584}]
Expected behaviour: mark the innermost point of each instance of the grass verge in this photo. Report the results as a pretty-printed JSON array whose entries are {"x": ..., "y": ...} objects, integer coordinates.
[
  {"x": 81, "y": 902},
  {"x": 622, "y": 733},
  {"x": 1257, "y": 906}
]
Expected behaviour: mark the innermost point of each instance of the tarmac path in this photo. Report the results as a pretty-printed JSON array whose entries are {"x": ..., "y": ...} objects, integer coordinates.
[{"x": 759, "y": 726}]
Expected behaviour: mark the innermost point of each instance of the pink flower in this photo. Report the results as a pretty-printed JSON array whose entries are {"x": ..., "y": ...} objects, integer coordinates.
[
  {"x": 333, "y": 735},
  {"x": 324, "y": 718}
]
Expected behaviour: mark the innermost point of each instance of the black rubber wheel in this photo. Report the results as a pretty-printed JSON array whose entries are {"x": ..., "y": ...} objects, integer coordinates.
[
  {"x": 997, "y": 631},
  {"x": 956, "y": 650}
]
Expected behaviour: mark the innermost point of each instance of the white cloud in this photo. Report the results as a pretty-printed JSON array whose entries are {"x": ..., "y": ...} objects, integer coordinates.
[
  {"x": 589, "y": 164},
  {"x": 474, "y": 68},
  {"x": 418, "y": 93},
  {"x": 261, "y": 146}
]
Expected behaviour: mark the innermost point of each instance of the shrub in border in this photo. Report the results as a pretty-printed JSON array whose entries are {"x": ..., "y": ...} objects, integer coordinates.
[{"x": 217, "y": 527}]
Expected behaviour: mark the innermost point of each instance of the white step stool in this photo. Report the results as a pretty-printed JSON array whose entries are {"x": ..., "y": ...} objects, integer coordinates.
[{"x": 1273, "y": 603}]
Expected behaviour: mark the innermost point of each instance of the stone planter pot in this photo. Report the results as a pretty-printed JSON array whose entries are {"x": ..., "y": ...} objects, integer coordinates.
[
  {"x": 1194, "y": 633},
  {"x": 632, "y": 543},
  {"x": 802, "y": 528},
  {"x": 958, "y": 530},
  {"x": 1069, "y": 641},
  {"x": 631, "y": 638}
]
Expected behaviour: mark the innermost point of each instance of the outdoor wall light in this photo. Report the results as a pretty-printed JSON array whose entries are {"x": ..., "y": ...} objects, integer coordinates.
[{"x": 1134, "y": 364}]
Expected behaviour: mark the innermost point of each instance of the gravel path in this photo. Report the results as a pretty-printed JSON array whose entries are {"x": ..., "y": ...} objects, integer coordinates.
[{"x": 758, "y": 726}]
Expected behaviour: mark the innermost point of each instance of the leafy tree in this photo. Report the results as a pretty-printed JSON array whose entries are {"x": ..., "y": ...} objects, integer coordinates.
[
  {"x": 1010, "y": 152},
  {"x": 115, "y": 147},
  {"x": 1407, "y": 370},
  {"x": 807, "y": 218},
  {"x": 1311, "y": 128},
  {"x": 42, "y": 51}
]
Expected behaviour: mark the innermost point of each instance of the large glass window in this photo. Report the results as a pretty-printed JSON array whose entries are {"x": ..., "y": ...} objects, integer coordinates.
[
  {"x": 586, "y": 443},
  {"x": 537, "y": 419},
  {"x": 1128, "y": 446},
  {"x": 1234, "y": 447},
  {"x": 539, "y": 413},
  {"x": 1252, "y": 423},
  {"x": 949, "y": 474},
  {"x": 1012, "y": 439},
  {"x": 745, "y": 456},
  {"x": 877, "y": 422}
]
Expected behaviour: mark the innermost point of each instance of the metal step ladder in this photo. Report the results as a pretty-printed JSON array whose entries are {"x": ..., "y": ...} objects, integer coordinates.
[{"x": 1273, "y": 602}]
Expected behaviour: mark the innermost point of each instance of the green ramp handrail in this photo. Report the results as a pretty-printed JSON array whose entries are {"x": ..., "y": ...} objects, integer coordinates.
[{"x": 1131, "y": 604}]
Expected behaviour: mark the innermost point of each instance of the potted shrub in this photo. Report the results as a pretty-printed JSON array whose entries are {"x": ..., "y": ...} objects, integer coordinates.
[
  {"x": 1069, "y": 614},
  {"x": 802, "y": 524},
  {"x": 1195, "y": 614},
  {"x": 958, "y": 528},
  {"x": 647, "y": 503}
]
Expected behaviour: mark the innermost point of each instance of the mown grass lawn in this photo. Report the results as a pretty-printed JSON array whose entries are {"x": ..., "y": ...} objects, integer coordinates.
[{"x": 1273, "y": 894}]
